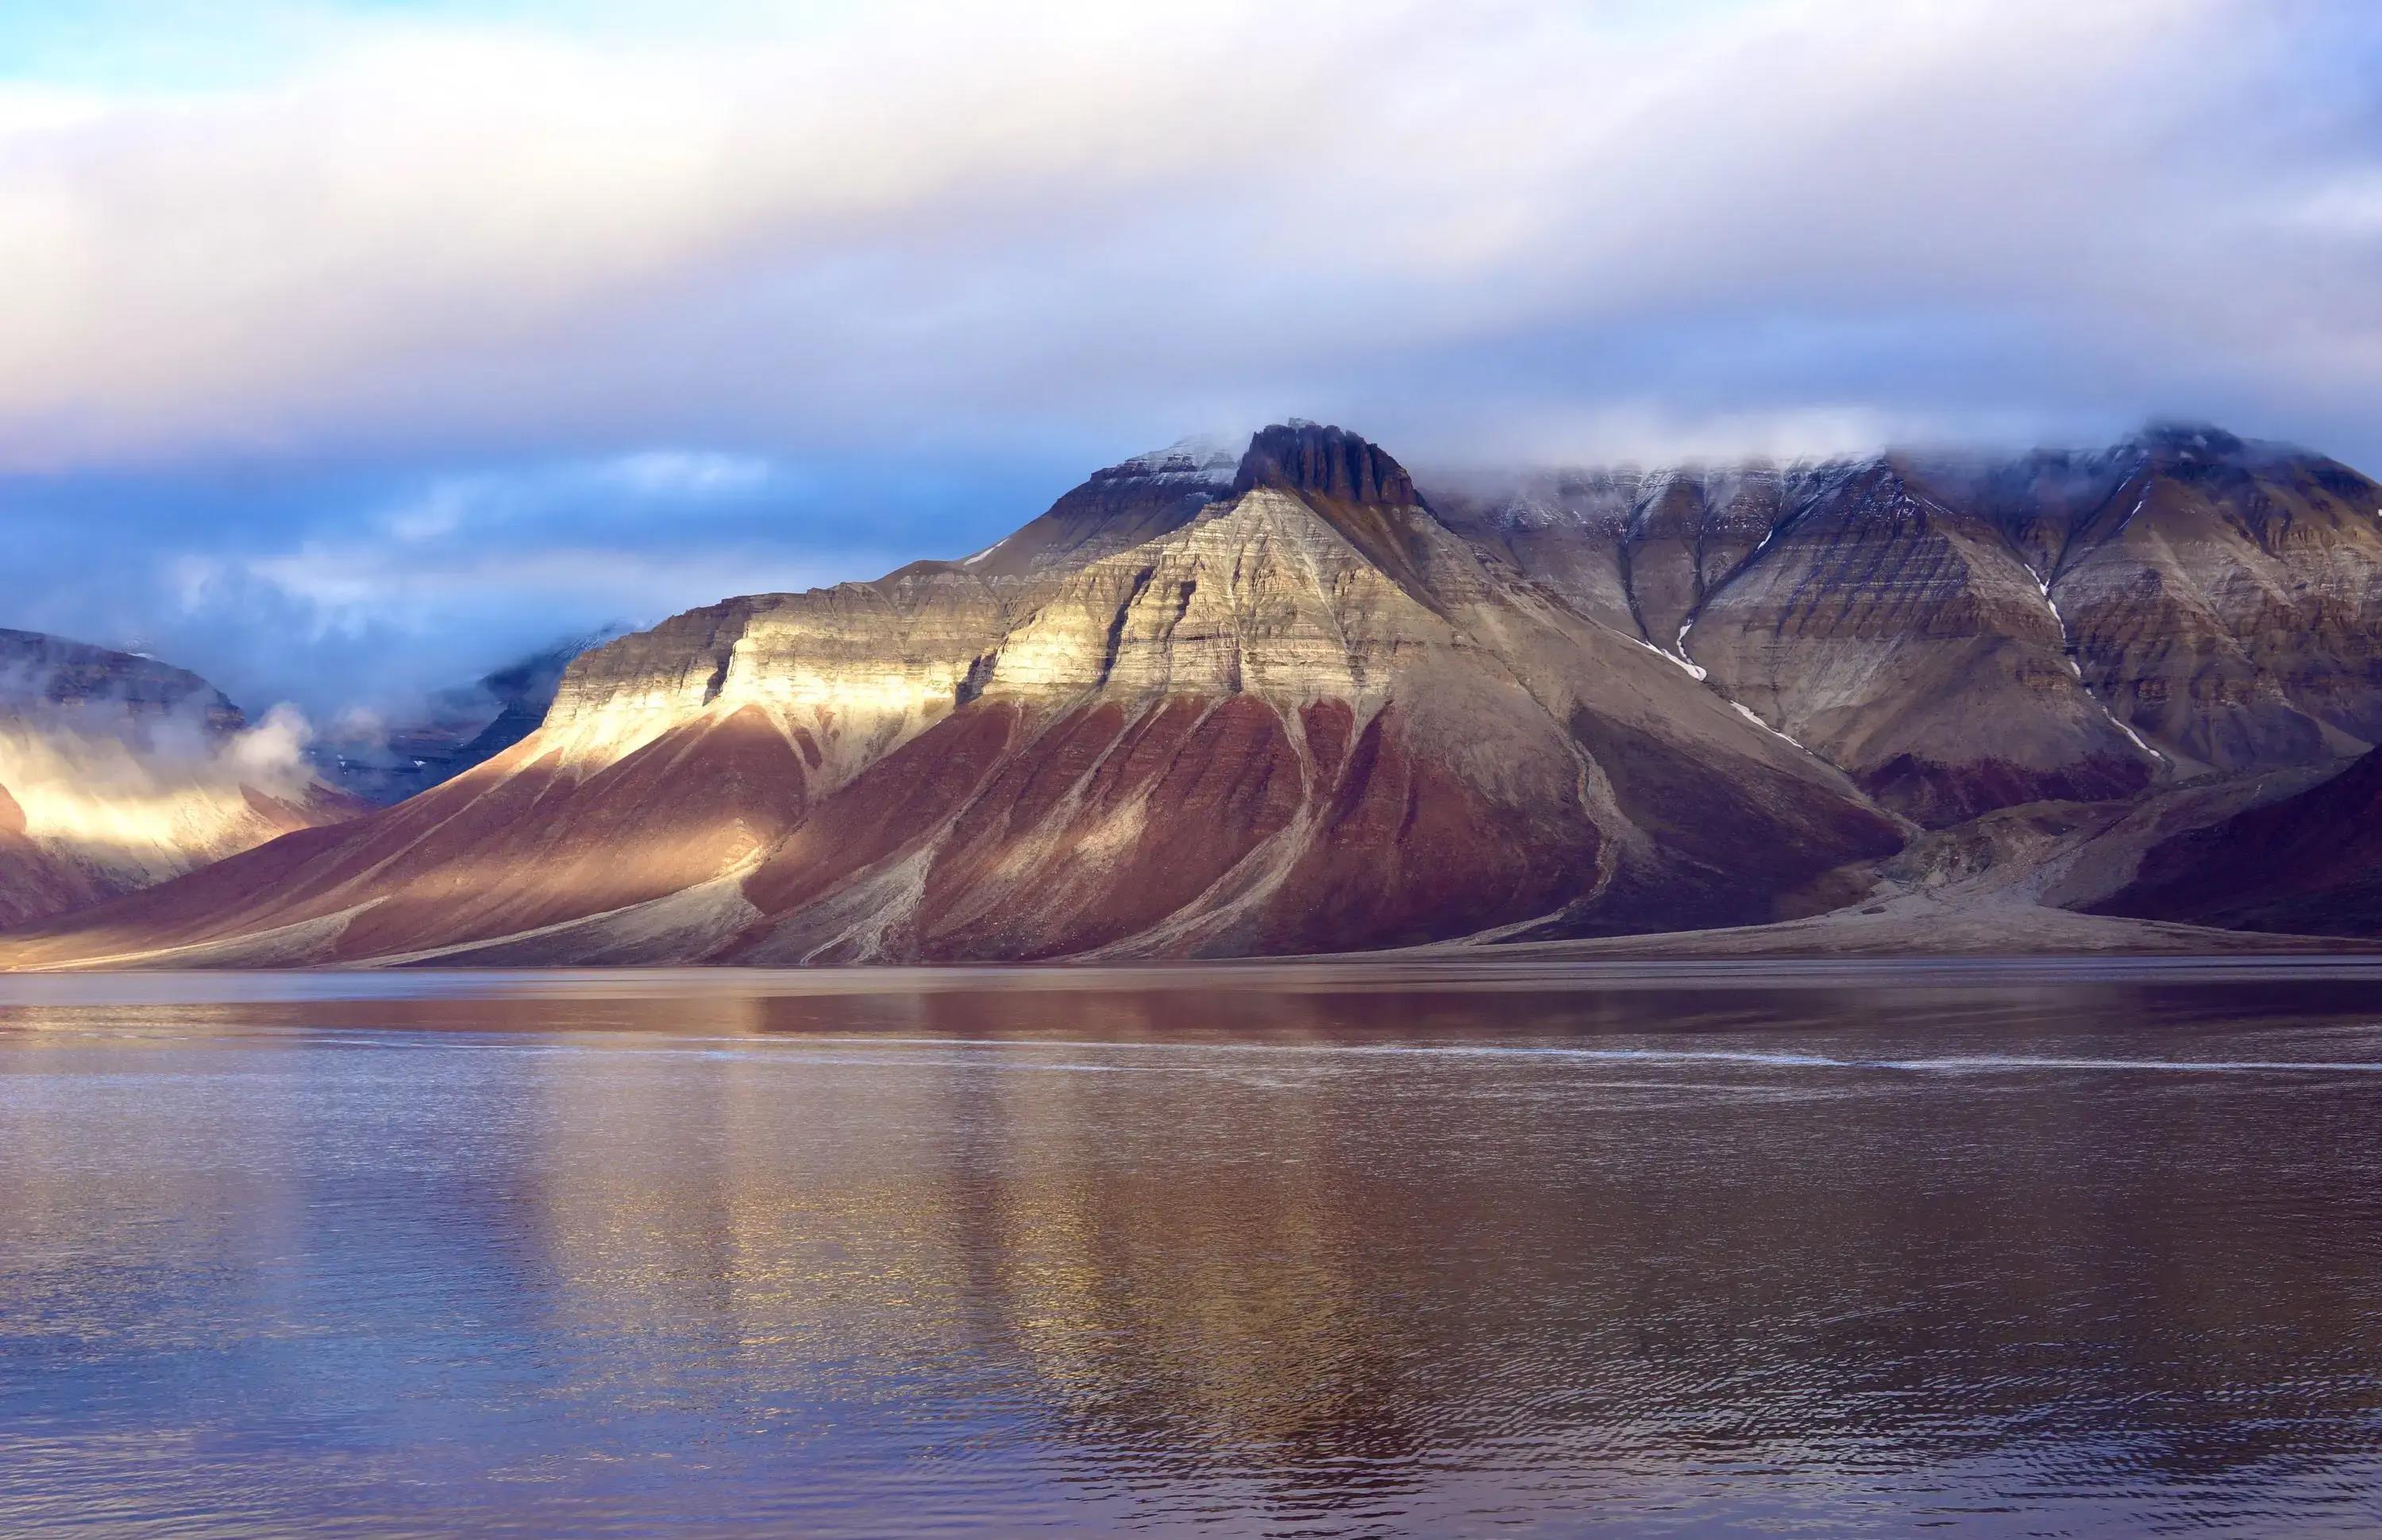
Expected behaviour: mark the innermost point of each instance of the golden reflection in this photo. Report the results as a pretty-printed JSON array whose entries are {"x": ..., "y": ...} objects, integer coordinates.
[{"x": 1315, "y": 1255}]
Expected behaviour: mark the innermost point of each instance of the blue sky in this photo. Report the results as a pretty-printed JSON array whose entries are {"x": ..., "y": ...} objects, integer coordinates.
[{"x": 353, "y": 348}]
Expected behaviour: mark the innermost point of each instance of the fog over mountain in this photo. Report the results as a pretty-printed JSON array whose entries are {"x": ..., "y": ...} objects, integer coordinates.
[
  {"x": 356, "y": 350},
  {"x": 117, "y": 772}
]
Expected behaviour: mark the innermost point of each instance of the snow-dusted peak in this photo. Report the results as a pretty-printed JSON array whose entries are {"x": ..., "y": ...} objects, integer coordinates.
[
  {"x": 2189, "y": 440},
  {"x": 1205, "y": 459}
]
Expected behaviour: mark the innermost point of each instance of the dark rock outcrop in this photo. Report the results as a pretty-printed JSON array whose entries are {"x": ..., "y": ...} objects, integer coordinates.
[
  {"x": 2309, "y": 864},
  {"x": 1309, "y": 460}
]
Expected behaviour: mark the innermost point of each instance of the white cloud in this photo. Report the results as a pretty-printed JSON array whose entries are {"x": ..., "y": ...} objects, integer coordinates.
[
  {"x": 649, "y": 480},
  {"x": 272, "y": 753},
  {"x": 348, "y": 587},
  {"x": 684, "y": 474},
  {"x": 439, "y": 510},
  {"x": 934, "y": 219},
  {"x": 1651, "y": 434},
  {"x": 2347, "y": 204}
]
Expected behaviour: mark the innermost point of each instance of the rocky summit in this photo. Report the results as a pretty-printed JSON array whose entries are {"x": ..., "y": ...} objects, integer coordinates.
[{"x": 1293, "y": 698}]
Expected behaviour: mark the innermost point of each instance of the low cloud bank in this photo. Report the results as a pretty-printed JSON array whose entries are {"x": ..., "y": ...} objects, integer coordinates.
[{"x": 712, "y": 223}]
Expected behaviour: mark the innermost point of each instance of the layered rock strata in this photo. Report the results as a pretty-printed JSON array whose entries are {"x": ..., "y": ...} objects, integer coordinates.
[{"x": 1960, "y": 636}]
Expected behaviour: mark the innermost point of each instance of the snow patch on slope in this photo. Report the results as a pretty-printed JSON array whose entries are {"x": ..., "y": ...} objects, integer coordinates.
[
  {"x": 2042, "y": 585},
  {"x": 2136, "y": 736},
  {"x": 1695, "y": 671},
  {"x": 1747, "y": 712}
]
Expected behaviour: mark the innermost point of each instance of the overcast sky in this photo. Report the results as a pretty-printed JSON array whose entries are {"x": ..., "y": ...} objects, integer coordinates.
[{"x": 350, "y": 348}]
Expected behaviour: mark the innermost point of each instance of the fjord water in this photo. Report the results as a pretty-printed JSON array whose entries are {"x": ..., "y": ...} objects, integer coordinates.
[{"x": 2077, "y": 1249}]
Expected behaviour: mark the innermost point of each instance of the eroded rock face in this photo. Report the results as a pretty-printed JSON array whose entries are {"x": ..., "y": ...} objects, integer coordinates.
[
  {"x": 2225, "y": 600},
  {"x": 117, "y": 772},
  {"x": 1964, "y": 636},
  {"x": 1898, "y": 636}
]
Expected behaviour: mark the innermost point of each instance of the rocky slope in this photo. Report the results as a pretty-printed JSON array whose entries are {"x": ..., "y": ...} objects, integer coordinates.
[
  {"x": 1284, "y": 700},
  {"x": 117, "y": 771},
  {"x": 1964, "y": 636},
  {"x": 2309, "y": 863}
]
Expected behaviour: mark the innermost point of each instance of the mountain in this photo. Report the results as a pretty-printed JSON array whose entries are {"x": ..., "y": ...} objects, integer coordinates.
[
  {"x": 1142, "y": 499},
  {"x": 117, "y": 771},
  {"x": 1289, "y": 700},
  {"x": 1302, "y": 715},
  {"x": 383, "y": 763},
  {"x": 1960, "y": 636}
]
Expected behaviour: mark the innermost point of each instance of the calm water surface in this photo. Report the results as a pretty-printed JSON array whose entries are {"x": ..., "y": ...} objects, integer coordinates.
[{"x": 1321, "y": 1252}]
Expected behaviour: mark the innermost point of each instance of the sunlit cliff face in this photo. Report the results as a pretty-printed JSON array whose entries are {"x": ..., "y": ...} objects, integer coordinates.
[
  {"x": 137, "y": 807},
  {"x": 1257, "y": 597}
]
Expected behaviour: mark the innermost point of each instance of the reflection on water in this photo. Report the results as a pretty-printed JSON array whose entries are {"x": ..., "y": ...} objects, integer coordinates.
[{"x": 1274, "y": 1254}]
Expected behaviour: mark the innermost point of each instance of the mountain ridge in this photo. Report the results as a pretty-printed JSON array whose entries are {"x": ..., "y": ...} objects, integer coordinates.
[{"x": 1317, "y": 706}]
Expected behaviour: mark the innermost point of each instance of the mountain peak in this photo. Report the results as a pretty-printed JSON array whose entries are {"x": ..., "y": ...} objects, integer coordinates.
[
  {"x": 48, "y": 675},
  {"x": 2186, "y": 437},
  {"x": 1207, "y": 458},
  {"x": 1305, "y": 457}
]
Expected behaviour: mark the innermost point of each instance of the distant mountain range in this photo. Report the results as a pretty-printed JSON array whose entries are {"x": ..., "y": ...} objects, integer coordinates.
[
  {"x": 1281, "y": 699},
  {"x": 387, "y": 762}
]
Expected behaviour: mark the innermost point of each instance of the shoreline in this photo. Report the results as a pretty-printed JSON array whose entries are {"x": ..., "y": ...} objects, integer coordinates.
[{"x": 1360, "y": 974}]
